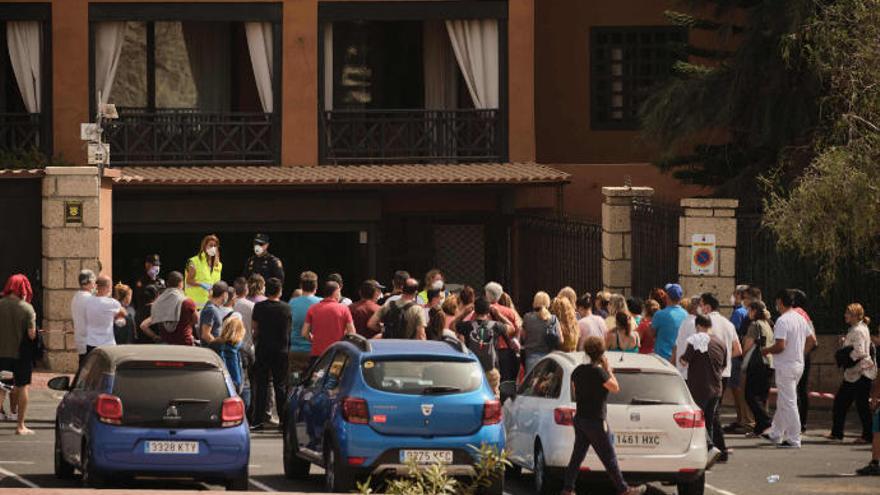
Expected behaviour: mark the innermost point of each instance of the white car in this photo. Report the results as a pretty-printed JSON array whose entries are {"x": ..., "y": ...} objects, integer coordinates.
[{"x": 659, "y": 431}]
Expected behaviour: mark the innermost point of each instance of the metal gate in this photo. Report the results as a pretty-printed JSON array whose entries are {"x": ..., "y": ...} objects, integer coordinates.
[
  {"x": 552, "y": 253},
  {"x": 654, "y": 245}
]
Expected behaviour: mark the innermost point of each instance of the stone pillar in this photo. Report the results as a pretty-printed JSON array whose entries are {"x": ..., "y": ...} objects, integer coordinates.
[
  {"x": 617, "y": 236},
  {"x": 68, "y": 247},
  {"x": 709, "y": 216}
]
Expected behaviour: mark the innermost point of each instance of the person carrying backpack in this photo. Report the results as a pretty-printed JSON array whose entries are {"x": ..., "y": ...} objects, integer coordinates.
[
  {"x": 401, "y": 318},
  {"x": 481, "y": 335}
]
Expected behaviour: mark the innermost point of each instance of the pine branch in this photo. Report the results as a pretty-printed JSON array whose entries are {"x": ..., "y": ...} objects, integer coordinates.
[{"x": 691, "y": 22}]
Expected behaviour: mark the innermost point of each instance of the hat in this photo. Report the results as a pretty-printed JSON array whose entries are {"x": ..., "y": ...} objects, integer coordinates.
[
  {"x": 153, "y": 259},
  {"x": 374, "y": 284},
  {"x": 674, "y": 291},
  {"x": 261, "y": 239}
]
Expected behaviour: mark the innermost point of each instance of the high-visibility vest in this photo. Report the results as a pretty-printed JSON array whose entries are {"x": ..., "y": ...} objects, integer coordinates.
[{"x": 204, "y": 275}]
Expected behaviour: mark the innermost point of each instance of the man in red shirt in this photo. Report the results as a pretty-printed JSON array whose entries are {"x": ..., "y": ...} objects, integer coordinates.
[
  {"x": 327, "y": 322},
  {"x": 189, "y": 317},
  {"x": 507, "y": 347},
  {"x": 362, "y": 310}
]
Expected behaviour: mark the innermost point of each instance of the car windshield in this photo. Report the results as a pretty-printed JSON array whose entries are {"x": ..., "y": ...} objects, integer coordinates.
[
  {"x": 422, "y": 376},
  {"x": 649, "y": 388}
]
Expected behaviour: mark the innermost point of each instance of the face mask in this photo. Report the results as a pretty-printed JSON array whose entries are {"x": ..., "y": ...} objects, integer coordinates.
[
  {"x": 153, "y": 272},
  {"x": 437, "y": 285},
  {"x": 258, "y": 249},
  {"x": 211, "y": 251}
]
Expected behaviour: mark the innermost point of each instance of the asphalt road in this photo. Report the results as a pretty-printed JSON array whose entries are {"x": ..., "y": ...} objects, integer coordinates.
[{"x": 818, "y": 467}]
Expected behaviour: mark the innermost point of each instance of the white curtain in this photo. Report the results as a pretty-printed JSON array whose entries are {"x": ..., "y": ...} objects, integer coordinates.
[
  {"x": 208, "y": 49},
  {"x": 441, "y": 78},
  {"x": 328, "y": 66},
  {"x": 475, "y": 42},
  {"x": 25, "y": 40},
  {"x": 109, "y": 38},
  {"x": 259, "y": 37}
]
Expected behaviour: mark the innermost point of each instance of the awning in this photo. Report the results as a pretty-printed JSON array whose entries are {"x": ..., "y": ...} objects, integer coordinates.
[{"x": 345, "y": 175}]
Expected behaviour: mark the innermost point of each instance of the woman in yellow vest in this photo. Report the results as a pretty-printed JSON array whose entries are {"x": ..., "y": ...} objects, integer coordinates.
[{"x": 203, "y": 271}]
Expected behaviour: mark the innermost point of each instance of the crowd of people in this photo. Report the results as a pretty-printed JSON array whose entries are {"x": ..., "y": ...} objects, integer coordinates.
[{"x": 263, "y": 338}]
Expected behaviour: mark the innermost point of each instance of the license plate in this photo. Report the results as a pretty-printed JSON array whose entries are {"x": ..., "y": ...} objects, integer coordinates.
[
  {"x": 164, "y": 447},
  {"x": 426, "y": 456},
  {"x": 647, "y": 440}
]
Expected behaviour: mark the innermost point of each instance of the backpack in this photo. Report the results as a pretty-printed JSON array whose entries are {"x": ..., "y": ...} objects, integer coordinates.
[
  {"x": 394, "y": 321},
  {"x": 481, "y": 341},
  {"x": 551, "y": 334}
]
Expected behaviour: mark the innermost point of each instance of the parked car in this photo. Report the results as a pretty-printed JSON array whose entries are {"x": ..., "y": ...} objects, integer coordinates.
[
  {"x": 659, "y": 431},
  {"x": 366, "y": 407},
  {"x": 151, "y": 410}
]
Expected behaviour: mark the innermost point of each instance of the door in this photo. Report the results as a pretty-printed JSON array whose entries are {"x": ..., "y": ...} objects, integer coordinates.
[
  {"x": 91, "y": 383},
  {"x": 546, "y": 390},
  {"x": 305, "y": 418},
  {"x": 323, "y": 398},
  {"x": 20, "y": 251},
  {"x": 521, "y": 436},
  {"x": 70, "y": 427}
]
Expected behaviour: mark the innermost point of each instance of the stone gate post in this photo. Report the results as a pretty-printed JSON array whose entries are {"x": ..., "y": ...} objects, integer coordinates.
[
  {"x": 617, "y": 236},
  {"x": 701, "y": 217}
]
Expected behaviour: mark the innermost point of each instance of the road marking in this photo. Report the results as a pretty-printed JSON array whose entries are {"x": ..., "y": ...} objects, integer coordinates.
[
  {"x": 261, "y": 486},
  {"x": 16, "y": 462},
  {"x": 9, "y": 474},
  {"x": 719, "y": 490}
]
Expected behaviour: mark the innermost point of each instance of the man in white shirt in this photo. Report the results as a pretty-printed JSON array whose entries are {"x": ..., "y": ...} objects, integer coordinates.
[
  {"x": 793, "y": 340},
  {"x": 724, "y": 330},
  {"x": 78, "y": 311},
  {"x": 101, "y": 311},
  {"x": 590, "y": 325}
]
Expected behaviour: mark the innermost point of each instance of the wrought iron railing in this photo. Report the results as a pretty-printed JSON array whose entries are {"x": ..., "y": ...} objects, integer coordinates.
[
  {"x": 191, "y": 137},
  {"x": 410, "y": 136},
  {"x": 654, "y": 245},
  {"x": 20, "y": 132}
]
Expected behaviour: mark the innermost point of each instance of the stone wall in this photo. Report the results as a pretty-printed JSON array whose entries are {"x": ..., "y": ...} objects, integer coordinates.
[
  {"x": 709, "y": 216},
  {"x": 617, "y": 236}
]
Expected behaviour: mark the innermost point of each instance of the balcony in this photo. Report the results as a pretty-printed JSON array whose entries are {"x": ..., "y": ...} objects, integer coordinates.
[
  {"x": 20, "y": 132},
  {"x": 410, "y": 136}
]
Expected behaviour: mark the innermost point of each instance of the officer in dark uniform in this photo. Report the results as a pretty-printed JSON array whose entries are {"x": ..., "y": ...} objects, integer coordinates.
[
  {"x": 152, "y": 266},
  {"x": 263, "y": 262}
]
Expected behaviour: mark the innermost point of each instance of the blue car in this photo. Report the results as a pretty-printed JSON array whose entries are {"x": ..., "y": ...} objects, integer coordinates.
[
  {"x": 367, "y": 407},
  {"x": 151, "y": 410}
]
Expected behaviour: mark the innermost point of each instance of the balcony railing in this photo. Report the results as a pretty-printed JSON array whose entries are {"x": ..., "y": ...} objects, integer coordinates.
[
  {"x": 410, "y": 136},
  {"x": 19, "y": 132},
  {"x": 191, "y": 137}
]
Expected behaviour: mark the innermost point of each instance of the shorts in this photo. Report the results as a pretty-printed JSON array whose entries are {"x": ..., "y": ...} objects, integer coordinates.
[
  {"x": 876, "y": 428},
  {"x": 21, "y": 368}
]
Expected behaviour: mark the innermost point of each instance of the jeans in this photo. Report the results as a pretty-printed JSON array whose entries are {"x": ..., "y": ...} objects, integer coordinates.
[
  {"x": 803, "y": 393},
  {"x": 532, "y": 359},
  {"x": 757, "y": 390},
  {"x": 595, "y": 433},
  {"x": 714, "y": 432},
  {"x": 274, "y": 364},
  {"x": 848, "y": 393},
  {"x": 786, "y": 425}
]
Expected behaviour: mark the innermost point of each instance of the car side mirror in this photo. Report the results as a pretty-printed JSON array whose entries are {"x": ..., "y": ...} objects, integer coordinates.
[
  {"x": 508, "y": 390},
  {"x": 296, "y": 379},
  {"x": 61, "y": 383}
]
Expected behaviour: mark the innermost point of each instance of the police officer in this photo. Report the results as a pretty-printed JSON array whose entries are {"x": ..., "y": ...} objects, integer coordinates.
[
  {"x": 262, "y": 262},
  {"x": 152, "y": 266}
]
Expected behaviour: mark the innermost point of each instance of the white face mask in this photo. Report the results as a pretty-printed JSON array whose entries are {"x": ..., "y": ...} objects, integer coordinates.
[
  {"x": 258, "y": 249},
  {"x": 437, "y": 285},
  {"x": 211, "y": 251}
]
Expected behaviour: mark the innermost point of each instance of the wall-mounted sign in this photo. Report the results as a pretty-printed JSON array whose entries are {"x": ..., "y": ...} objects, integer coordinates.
[
  {"x": 73, "y": 212},
  {"x": 703, "y": 255}
]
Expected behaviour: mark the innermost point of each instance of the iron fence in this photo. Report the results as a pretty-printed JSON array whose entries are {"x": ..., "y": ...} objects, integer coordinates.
[
  {"x": 19, "y": 132},
  {"x": 410, "y": 136},
  {"x": 760, "y": 261},
  {"x": 191, "y": 137},
  {"x": 556, "y": 252},
  {"x": 654, "y": 245}
]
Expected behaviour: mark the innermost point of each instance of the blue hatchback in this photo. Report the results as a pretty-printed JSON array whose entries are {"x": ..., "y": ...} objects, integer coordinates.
[
  {"x": 151, "y": 410},
  {"x": 368, "y": 407}
]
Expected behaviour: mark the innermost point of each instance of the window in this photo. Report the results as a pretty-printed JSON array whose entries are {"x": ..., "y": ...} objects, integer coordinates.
[
  {"x": 423, "y": 377},
  {"x": 647, "y": 389},
  {"x": 625, "y": 63},
  {"x": 545, "y": 381}
]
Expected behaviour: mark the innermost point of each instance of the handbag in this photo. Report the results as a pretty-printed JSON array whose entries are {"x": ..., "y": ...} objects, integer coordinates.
[{"x": 843, "y": 359}]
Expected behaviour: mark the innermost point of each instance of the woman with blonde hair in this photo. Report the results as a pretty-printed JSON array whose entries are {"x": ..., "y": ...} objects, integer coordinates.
[
  {"x": 570, "y": 294},
  {"x": 617, "y": 304},
  {"x": 859, "y": 371},
  {"x": 203, "y": 271},
  {"x": 568, "y": 326},
  {"x": 539, "y": 329},
  {"x": 228, "y": 346}
]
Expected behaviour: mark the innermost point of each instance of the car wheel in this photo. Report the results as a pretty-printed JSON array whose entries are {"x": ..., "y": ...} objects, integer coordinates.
[
  {"x": 545, "y": 482},
  {"x": 90, "y": 476},
  {"x": 695, "y": 487},
  {"x": 294, "y": 467},
  {"x": 337, "y": 478},
  {"x": 239, "y": 484},
  {"x": 63, "y": 469}
]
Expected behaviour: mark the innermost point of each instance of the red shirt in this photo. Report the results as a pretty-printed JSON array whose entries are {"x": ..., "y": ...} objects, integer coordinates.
[
  {"x": 511, "y": 316},
  {"x": 183, "y": 334},
  {"x": 361, "y": 312},
  {"x": 646, "y": 337},
  {"x": 327, "y": 321}
]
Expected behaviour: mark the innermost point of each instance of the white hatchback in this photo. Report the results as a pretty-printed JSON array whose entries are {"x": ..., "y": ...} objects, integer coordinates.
[{"x": 659, "y": 431}]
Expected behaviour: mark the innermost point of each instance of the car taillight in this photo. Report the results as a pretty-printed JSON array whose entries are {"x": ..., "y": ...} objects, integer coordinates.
[
  {"x": 564, "y": 416},
  {"x": 109, "y": 409},
  {"x": 690, "y": 419},
  {"x": 491, "y": 412},
  {"x": 232, "y": 413},
  {"x": 355, "y": 410}
]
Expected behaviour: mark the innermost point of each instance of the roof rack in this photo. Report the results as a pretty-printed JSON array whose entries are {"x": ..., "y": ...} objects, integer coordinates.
[
  {"x": 456, "y": 344},
  {"x": 358, "y": 341}
]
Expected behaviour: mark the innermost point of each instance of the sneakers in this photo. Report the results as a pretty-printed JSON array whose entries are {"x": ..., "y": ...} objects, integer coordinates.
[
  {"x": 712, "y": 458},
  {"x": 787, "y": 445},
  {"x": 636, "y": 490},
  {"x": 872, "y": 469}
]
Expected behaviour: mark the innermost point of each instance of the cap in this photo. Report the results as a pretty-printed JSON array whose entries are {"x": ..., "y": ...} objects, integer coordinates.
[
  {"x": 153, "y": 259},
  {"x": 261, "y": 239},
  {"x": 374, "y": 284},
  {"x": 674, "y": 291}
]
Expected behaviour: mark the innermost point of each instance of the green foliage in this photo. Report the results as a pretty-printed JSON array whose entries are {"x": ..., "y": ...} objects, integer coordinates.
[
  {"x": 433, "y": 479},
  {"x": 24, "y": 159}
]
